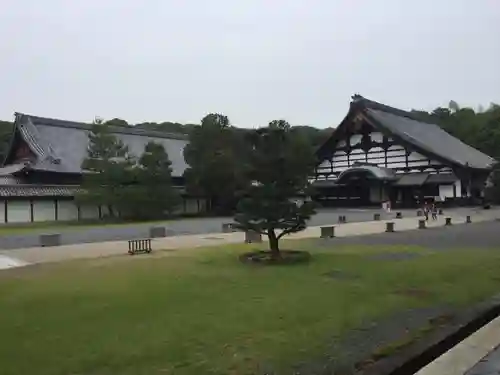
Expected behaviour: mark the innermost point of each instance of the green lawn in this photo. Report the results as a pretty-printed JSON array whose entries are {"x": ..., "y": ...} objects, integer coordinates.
[{"x": 194, "y": 312}]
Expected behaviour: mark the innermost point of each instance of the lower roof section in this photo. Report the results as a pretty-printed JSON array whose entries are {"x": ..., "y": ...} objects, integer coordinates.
[
  {"x": 39, "y": 191},
  {"x": 412, "y": 179},
  {"x": 409, "y": 179}
]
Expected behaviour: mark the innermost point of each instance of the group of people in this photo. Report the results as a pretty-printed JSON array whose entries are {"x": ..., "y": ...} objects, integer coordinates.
[{"x": 430, "y": 208}]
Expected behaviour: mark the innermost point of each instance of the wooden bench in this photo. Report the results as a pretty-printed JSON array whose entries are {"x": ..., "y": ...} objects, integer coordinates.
[{"x": 139, "y": 246}]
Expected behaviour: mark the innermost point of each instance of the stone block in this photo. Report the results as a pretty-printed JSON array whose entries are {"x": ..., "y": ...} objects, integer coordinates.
[
  {"x": 157, "y": 232},
  {"x": 50, "y": 239},
  {"x": 252, "y": 237},
  {"x": 327, "y": 232}
]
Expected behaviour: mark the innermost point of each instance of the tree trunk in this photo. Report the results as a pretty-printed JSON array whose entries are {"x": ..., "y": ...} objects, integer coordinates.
[{"x": 273, "y": 244}]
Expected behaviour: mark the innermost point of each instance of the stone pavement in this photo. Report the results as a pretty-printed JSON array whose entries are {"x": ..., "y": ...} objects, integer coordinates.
[
  {"x": 84, "y": 234},
  {"x": 92, "y": 250}
]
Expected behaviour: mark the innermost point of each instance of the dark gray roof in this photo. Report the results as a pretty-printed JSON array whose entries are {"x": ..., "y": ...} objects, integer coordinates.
[
  {"x": 377, "y": 172},
  {"x": 61, "y": 145},
  {"x": 10, "y": 169},
  {"x": 442, "y": 178},
  {"x": 412, "y": 179},
  {"x": 38, "y": 191},
  {"x": 429, "y": 137}
]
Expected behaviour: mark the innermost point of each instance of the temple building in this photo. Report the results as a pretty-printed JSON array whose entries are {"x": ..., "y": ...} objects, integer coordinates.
[
  {"x": 379, "y": 153},
  {"x": 41, "y": 173}
]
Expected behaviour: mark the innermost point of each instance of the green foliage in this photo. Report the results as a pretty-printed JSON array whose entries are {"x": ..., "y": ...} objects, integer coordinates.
[
  {"x": 216, "y": 162},
  {"x": 279, "y": 166},
  {"x": 5, "y": 138},
  {"x": 152, "y": 195},
  {"x": 479, "y": 129},
  {"x": 117, "y": 122},
  {"x": 107, "y": 169}
]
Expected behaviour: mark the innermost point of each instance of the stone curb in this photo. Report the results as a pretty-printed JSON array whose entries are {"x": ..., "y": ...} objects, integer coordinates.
[{"x": 414, "y": 357}]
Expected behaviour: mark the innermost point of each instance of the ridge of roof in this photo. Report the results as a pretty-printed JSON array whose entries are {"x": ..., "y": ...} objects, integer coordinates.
[
  {"x": 371, "y": 104},
  {"x": 47, "y": 121}
]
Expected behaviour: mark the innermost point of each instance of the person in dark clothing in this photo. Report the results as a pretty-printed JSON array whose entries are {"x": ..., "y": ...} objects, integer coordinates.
[
  {"x": 426, "y": 211},
  {"x": 434, "y": 211}
]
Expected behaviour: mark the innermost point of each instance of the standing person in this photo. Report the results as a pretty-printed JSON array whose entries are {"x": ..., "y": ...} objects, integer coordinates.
[
  {"x": 434, "y": 211},
  {"x": 426, "y": 211}
]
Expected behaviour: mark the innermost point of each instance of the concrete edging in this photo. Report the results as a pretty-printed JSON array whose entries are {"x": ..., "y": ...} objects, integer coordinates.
[{"x": 419, "y": 354}]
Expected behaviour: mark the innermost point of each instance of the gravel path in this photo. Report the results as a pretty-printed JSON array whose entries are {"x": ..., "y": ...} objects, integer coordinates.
[
  {"x": 478, "y": 235},
  {"x": 184, "y": 226}
]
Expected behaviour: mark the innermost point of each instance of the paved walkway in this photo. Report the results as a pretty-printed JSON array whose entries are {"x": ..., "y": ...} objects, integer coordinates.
[
  {"x": 76, "y": 251},
  {"x": 478, "y": 354},
  {"x": 75, "y": 234}
]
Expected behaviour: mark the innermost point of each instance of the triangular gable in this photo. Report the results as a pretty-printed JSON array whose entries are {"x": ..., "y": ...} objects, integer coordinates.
[{"x": 427, "y": 139}]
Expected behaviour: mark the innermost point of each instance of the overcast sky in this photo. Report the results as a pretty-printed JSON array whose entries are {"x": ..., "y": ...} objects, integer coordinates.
[{"x": 253, "y": 60}]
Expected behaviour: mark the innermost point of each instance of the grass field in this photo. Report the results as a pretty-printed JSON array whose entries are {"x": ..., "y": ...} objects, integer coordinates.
[{"x": 200, "y": 311}]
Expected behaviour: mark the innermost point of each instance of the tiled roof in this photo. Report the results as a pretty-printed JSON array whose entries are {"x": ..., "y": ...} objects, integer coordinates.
[
  {"x": 427, "y": 136},
  {"x": 10, "y": 169},
  {"x": 61, "y": 146},
  {"x": 38, "y": 191},
  {"x": 412, "y": 179},
  {"x": 377, "y": 172}
]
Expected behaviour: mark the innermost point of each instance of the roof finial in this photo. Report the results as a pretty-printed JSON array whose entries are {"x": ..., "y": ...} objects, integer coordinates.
[{"x": 356, "y": 97}]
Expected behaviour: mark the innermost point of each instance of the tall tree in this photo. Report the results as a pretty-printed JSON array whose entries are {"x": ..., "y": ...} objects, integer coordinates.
[
  {"x": 280, "y": 165},
  {"x": 214, "y": 156},
  {"x": 117, "y": 122},
  {"x": 107, "y": 168},
  {"x": 5, "y": 138},
  {"x": 152, "y": 195}
]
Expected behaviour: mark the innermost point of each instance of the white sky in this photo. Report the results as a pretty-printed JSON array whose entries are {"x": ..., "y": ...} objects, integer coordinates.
[{"x": 253, "y": 60}]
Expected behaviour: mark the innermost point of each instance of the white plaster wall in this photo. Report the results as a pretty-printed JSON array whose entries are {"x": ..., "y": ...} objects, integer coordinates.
[
  {"x": 324, "y": 164},
  {"x": 203, "y": 205},
  {"x": 376, "y": 156},
  {"x": 18, "y": 211},
  {"x": 104, "y": 211},
  {"x": 415, "y": 156},
  {"x": 2, "y": 211},
  {"x": 89, "y": 212},
  {"x": 44, "y": 210},
  {"x": 66, "y": 210},
  {"x": 355, "y": 139},
  {"x": 191, "y": 206},
  {"x": 375, "y": 194},
  {"x": 446, "y": 191},
  {"x": 377, "y": 137}
]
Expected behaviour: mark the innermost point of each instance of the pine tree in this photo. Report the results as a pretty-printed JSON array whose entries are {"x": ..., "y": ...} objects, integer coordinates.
[
  {"x": 152, "y": 195},
  {"x": 215, "y": 163},
  {"x": 280, "y": 164},
  {"x": 107, "y": 168}
]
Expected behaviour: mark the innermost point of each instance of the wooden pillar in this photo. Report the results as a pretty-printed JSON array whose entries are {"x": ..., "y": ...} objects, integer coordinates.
[
  {"x": 6, "y": 211},
  {"x": 78, "y": 215},
  {"x": 32, "y": 214},
  {"x": 56, "y": 210},
  {"x": 100, "y": 211}
]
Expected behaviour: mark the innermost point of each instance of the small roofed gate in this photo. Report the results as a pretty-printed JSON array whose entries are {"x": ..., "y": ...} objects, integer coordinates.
[{"x": 366, "y": 184}]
